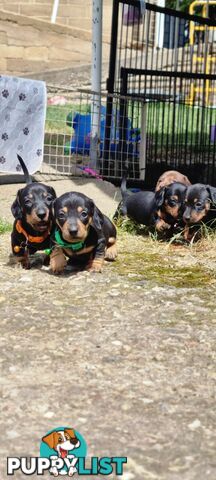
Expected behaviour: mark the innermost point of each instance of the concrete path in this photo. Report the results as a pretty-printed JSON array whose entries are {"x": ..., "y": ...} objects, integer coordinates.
[{"x": 126, "y": 357}]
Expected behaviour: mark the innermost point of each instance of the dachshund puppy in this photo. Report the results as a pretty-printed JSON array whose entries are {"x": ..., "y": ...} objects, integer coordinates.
[
  {"x": 32, "y": 210},
  {"x": 171, "y": 176},
  {"x": 82, "y": 233},
  {"x": 200, "y": 206},
  {"x": 170, "y": 204},
  {"x": 139, "y": 206},
  {"x": 160, "y": 209}
]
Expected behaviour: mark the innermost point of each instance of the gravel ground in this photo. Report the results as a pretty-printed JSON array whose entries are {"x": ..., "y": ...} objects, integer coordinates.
[{"x": 126, "y": 357}]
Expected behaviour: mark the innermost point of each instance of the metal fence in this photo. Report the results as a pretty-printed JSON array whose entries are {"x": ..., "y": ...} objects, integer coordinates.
[
  {"x": 67, "y": 145},
  {"x": 159, "y": 109},
  {"x": 163, "y": 67}
]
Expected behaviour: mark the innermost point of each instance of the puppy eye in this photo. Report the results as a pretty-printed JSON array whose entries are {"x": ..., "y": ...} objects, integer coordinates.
[
  {"x": 60, "y": 440},
  {"x": 28, "y": 203},
  {"x": 49, "y": 198},
  {"x": 84, "y": 214},
  {"x": 198, "y": 204},
  {"x": 61, "y": 215}
]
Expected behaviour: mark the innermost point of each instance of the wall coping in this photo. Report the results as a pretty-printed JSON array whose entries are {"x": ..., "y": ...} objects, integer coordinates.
[{"x": 50, "y": 27}]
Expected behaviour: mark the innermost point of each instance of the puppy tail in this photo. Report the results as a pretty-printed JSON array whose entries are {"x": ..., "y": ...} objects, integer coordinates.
[
  {"x": 25, "y": 170},
  {"x": 124, "y": 191},
  {"x": 122, "y": 208}
]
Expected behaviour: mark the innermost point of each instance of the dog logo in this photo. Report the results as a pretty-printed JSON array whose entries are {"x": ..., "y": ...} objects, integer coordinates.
[
  {"x": 63, "y": 451},
  {"x": 63, "y": 446}
]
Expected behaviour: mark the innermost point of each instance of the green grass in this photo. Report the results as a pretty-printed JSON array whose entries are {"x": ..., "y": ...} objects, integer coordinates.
[
  {"x": 5, "y": 226},
  {"x": 142, "y": 258},
  {"x": 189, "y": 121},
  {"x": 56, "y": 117}
]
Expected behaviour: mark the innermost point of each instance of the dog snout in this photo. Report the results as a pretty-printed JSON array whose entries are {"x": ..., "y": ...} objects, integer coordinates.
[
  {"x": 187, "y": 215},
  {"x": 74, "y": 441},
  {"x": 41, "y": 213},
  {"x": 73, "y": 230}
]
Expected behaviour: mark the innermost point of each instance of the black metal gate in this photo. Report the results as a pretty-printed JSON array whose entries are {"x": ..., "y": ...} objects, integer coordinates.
[{"x": 161, "y": 104}]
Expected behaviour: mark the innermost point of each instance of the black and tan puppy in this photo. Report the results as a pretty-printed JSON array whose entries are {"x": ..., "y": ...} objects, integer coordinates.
[
  {"x": 170, "y": 206},
  {"x": 139, "y": 206},
  {"x": 161, "y": 209},
  {"x": 83, "y": 234},
  {"x": 171, "y": 176},
  {"x": 32, "y": 210},
  {"x": 200, "y": 206}
]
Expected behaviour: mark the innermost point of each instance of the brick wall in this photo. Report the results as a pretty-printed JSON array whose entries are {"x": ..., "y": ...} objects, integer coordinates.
[
  {"x": 29, "y": 46},
  {"x": 74, "y": 13}
]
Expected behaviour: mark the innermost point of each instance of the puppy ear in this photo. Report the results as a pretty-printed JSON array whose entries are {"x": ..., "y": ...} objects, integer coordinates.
[
  {"x": 73, "y": 437},
  {"x": 53, "y": 207},
  {"x": 49, "y": 440},
  {"x": 70, "y": 432},
  {"x": 97, "y": 220},
  {"x": 16, "y": 207},
  {"x": 52, "y": 192},
  {"x": 159, "y": 197},
  {"x": 212, "y": 193}
]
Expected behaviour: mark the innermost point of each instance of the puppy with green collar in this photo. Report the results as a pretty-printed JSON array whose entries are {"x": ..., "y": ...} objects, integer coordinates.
[{"x": 82, "y": 234}]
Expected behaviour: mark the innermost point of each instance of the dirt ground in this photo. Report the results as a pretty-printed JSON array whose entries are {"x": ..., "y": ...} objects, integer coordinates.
[{"x": 126, "y": 357}]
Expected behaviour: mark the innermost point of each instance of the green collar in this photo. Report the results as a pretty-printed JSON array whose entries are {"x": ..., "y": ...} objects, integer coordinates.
[{"x": 62, "y": 243}]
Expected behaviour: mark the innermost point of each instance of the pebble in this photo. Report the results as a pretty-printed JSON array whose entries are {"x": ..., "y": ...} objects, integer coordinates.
[
  {"x": 195, "y": 424},
  {"x": 58, "y": 303},
  {"x": 117, "y": 343},
  {"x": 25, "y": 278},
  {"x": 49, "y": 415},
  {"x": 11, "y": 434},
  {"x": 114, "y": 293}
]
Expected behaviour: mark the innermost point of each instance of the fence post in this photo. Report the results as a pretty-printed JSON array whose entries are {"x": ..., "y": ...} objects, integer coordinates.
[
  {"x": 142, "y": 151},
  {"x": 97, "y": 8},
  {"x": 111, "y": 82}
]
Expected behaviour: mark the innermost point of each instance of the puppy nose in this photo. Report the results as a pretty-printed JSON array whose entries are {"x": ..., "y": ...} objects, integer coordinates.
[
  {"x": 73, "y": 231},
  {"x": 41, "y": 214},
  {"x": 186, "y": 217}
]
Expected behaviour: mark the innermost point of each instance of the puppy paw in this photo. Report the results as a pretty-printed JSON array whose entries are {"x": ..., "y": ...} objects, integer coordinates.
[
  {"x": 111, "y": 253},
  {"x": 95, "y": 266},
  {"x": 187, "y": 234},
  {"x": 23, "y": 261},
  {"x": 58, "y": 261},
  {"x": 161, "y": 225}
]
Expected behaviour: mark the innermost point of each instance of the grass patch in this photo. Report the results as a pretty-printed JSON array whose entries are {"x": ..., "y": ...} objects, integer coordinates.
[
  {"x": 5, "y": 226},
  {"x": 143, "y": 258},
  {"x": 126, "y": 225},
  {"x": 154, "y": 267},
  {"x": 56, "y": 117}
]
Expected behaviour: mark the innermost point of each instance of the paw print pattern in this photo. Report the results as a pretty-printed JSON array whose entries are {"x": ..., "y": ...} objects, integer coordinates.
[
  {"x": 4, "y": 136},
  {"x": 2, "y": 159},
  {"x": 39, "y": 152},
  {"x": 18, "y": 168},
  {"x": 26, "y": 131},
  {"x": 5, "y": 93},
  {"x": 22, "y": 97},
  {"x": 30, "y": 109}
]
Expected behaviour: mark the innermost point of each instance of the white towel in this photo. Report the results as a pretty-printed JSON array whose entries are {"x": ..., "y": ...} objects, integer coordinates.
[{"x": 22, "y": 122}]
